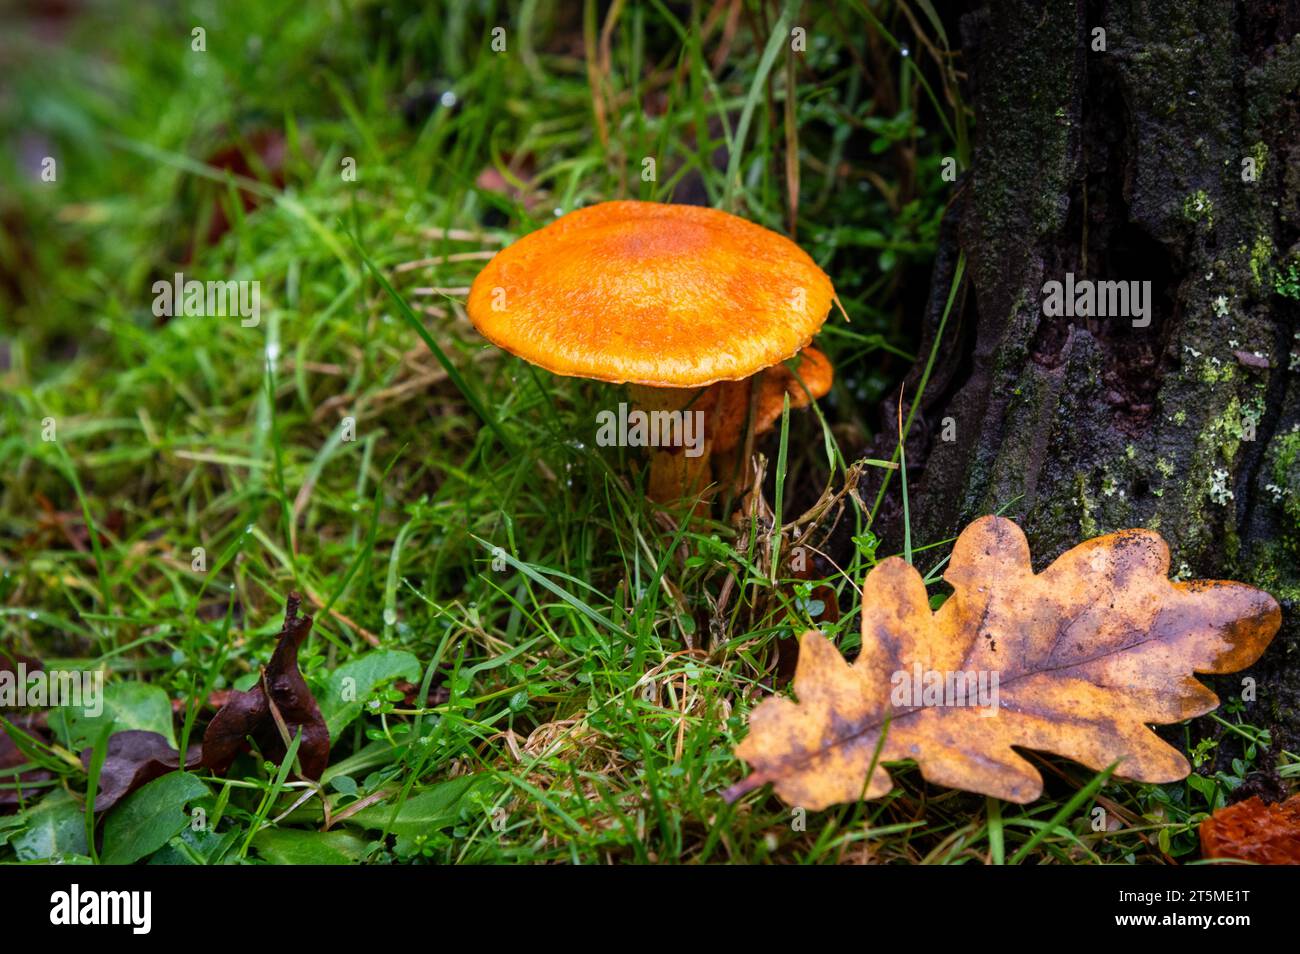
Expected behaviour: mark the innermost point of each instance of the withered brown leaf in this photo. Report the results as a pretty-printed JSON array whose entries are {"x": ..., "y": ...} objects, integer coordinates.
[
  {"x": 280, "y": 692},
  {"x": 19, "y": 786},
  {"x": 1086, "y": 655},
  {"x": 15, "y": 786},
  {"x": 1253, "y": 831},
  {"x": 134, "y": 758}
]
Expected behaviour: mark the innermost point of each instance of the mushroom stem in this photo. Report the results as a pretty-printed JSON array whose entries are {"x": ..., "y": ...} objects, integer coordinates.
[
  {"x": 679, "y": 444},
  {"x": 733, "y": 441},
  {"x": 752, "y": 407}
]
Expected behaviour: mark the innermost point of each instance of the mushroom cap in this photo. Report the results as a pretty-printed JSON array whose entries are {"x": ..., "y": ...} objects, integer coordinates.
[
  {"x": 673, "y": 296},
  {"x": 808, "y": 382}
]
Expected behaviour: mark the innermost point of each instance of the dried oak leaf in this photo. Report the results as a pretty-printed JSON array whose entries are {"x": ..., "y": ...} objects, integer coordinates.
[
  {"x": 1087, "y": 654},
  {"x": 134, "y": 758},
  {"x": 1253, "y": 831},
  {"x": 281, "y": 698}
]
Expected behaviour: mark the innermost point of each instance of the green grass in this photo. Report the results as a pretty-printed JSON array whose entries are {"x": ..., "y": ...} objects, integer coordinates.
[{"x": 588, "y": 663}]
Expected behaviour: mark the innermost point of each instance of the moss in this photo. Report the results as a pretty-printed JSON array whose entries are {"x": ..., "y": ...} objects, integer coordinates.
[
  {"x": 1087, "y": 521},
  {"x": 1226, "y": 432},
  {"x": 1260, "y": 257},
  {"x": 1274, "y": 570},
  {"x": 1259, "y": 152},
  {"x": 1286, "y": 280},
  {"x": 1252, "y": 412},
  {"x": 1209, "y": 485},
  {"x": 1215, "y": 371},
  {"x": 1286, "y": 477},
  {"x": 1288, "y": 455},
  {"x": 1231, "y": 542},
  {"x": 1199, "y": 207},
  {"x": 1274, "y": 562}
]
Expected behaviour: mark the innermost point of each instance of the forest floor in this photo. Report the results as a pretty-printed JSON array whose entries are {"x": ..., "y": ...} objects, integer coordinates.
[{"x": 585, "y": 660}]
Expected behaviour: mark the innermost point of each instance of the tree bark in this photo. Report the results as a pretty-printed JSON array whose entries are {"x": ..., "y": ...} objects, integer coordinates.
[{"x": 1126, "y": 163}]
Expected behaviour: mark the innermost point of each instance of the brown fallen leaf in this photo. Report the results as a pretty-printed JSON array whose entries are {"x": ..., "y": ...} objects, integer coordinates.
[
  {"x": 10, "y": 662},
  {"x": 17, "y": 787},
  {"x": 1253, "y": 831},
  {"x": 438, "y": 695},
  {"x": 281, "y": 699},
  {"x": 12, "y": 782},
  {"x": 134, "y": 757},
  {"x": 246, "y": 155},
  {"x": 1076, "y": 660}
]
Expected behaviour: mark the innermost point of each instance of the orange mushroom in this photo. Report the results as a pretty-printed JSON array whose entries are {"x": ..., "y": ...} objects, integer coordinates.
[
  {"x": 668, "y": 299},
  {"x": 809, "y": 381}
]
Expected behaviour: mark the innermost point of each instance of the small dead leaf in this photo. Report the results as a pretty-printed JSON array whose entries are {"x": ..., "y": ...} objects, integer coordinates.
[
  {"x": 282, "y": 691},
  {"x": 259, "y": 154},
  {"x": 134, "y": 758},
  {"x": 438, "y": 695},
  {"x": 10, "y": 662},
  {"x": 1253, "y": 831},
  {"x": 13, "y": 793},
  {"x": 1076, "y": 660},
  {"x": 19, "y": 786},
  {"x": 1251, "y": 359}
]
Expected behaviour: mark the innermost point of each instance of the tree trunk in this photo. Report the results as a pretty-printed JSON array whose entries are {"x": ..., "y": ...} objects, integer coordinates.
[{"x": 1126, "y": 163}]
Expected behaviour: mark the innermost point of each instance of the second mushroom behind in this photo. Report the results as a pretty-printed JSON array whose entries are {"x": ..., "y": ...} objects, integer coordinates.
[{"x": 683, "y": 304}]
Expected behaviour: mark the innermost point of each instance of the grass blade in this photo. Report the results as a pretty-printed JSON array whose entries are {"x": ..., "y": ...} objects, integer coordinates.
[{"x": 453, "y": 372}]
